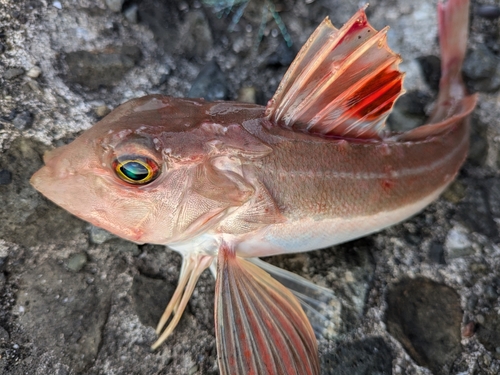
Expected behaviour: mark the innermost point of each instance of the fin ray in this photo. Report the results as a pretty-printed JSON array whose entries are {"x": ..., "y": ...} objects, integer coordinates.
[
  {"x": 260, "y": 327},
  {"x": 192, "y": 269},
  {"x": 341, "y": 78},
  {"x": 320, "y": 305}
]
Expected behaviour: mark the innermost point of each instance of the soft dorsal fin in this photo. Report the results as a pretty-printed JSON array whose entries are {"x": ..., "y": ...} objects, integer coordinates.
[{"x": 342, "y": 82}]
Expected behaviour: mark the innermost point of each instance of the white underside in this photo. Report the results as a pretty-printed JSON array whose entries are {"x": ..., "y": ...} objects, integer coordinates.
[
  {"x": 304, "y": 235},
  {"x": 310, "y": 234}
]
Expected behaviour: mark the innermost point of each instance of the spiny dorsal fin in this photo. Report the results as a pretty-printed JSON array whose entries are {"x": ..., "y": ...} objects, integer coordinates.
[
  {"x": 260, "y": 327},
  {"x": 342, "y": 82}
]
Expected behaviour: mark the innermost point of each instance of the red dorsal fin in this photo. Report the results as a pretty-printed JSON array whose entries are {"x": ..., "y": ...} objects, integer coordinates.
[
  {"x": 260, "y": 327},
  {"x": 342, "y": 82}
]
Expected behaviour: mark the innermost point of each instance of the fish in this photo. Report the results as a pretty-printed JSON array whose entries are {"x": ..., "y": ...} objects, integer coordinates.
[{"x": 224, "y": 183}]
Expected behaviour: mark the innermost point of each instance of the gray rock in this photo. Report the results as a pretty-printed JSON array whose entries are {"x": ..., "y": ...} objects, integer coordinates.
[
  {"x": 5, "y": 177},
  {"x": 426, "y": 317},
  {"x": 488, "y": 333},
  {"x": 478, "y": 149},
  {"x": 115, "y": 5},
  {"x": 76, "y": 262},
  {"x": 431, "y": 69},
  {"x": 99, "y": 236},
  {"x": 481, "y": 69},
  {"x": 27, "y": 218},
  {"x": 23, "y": 120},
  {"x": 458, "y": 243},
  {"x": 210, "y": 84},
  {"x": 151, "y": 297},
  {"x": 371, "y": 356},
  {"x": 34, "y": 72},
  {"x": 124, "y": 246},
  {"x": 13, "y": 73},
  {"x": 131, "y": 13},
  {"x": 283, "y": 56},
  {"x": 4, "y": 335},
  {"x": 75, "y": 312},
  {"x": 480, "y": 63},
  {"x": 100, "y": 68},
  {"x": 409, "y": 111},
  {"x": 156, "y": 15},
  {"x": 195, "y": 36},
  {"x": 487, "y": 11},
  {"x": 436, "y": 253},
  {"x": 474, "y": 211},
  {"x": 494, "y": 196}
]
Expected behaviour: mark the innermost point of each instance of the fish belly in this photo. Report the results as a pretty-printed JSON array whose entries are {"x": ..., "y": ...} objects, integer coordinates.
[{"x": 310, "y": 234}]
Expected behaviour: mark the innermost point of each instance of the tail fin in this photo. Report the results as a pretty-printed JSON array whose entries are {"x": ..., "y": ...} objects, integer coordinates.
[
  {"x": 260, "y": 326},
  {"x": 452, "y": 104},
  {"x": 453, "y": 30},
  {"x": 342, "y": 82}
]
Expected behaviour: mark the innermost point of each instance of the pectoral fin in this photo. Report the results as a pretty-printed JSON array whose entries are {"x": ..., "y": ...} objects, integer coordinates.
[
  {"x": 261, "y": 328},
  {"x": 321, "y": 306},
  {"x": 342, "y": 83},
  {"x": 192, "y": 268}
]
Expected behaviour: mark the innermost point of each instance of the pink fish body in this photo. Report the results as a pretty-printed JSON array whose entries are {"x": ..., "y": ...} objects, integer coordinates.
[{"x": 221, "y": 182}]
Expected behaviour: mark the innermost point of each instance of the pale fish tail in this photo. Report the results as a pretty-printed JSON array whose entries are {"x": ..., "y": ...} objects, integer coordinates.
[
  {"x": 260, "y": 325},
  {"x": 453, "y": 104},
  {"x": 453, "y": 31},
  {"x": 192, "y": 267}
]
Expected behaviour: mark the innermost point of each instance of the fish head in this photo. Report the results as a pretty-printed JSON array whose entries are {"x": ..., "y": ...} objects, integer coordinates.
[{"x": 152, "y": 171}]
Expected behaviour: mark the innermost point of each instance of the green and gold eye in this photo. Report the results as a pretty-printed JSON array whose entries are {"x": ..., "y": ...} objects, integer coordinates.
[{"x": 136, "y": 170}]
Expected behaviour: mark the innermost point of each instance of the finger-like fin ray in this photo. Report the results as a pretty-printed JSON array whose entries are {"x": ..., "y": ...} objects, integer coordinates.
[{"x": 191, "y": 270}]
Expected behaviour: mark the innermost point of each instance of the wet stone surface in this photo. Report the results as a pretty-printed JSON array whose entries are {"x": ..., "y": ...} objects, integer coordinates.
[
  {"x": 425, "y": 318},
  {"x": 365, "y": 357},
  {"x": 419, "y": 298}
]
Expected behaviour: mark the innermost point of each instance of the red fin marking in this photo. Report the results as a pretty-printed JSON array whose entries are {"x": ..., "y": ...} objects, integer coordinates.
[
  {"x": 261, "y": 328},
  {"x": 341, "y": 84},
  {"x": 366, "y": 112}
]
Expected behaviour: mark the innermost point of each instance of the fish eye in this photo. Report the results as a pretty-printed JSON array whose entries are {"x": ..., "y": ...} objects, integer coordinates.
[{"x": 136, "y": 170}]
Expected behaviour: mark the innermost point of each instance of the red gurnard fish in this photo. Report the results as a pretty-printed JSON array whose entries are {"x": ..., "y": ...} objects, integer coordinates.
[{"x": 225, "y": 182}]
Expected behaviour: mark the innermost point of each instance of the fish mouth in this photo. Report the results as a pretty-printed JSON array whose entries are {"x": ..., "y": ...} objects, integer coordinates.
[{"x": 38, "y": 177}]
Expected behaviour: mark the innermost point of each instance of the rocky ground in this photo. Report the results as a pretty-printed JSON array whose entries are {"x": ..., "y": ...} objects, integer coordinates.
[{"x": 422, "y": 297}]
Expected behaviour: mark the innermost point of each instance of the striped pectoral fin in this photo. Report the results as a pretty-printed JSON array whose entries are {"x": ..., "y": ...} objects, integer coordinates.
[
  {"x": 261, "y": 328},
  {"x": 342, "y": 83},
  {"x": 321, "y": 306}
]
